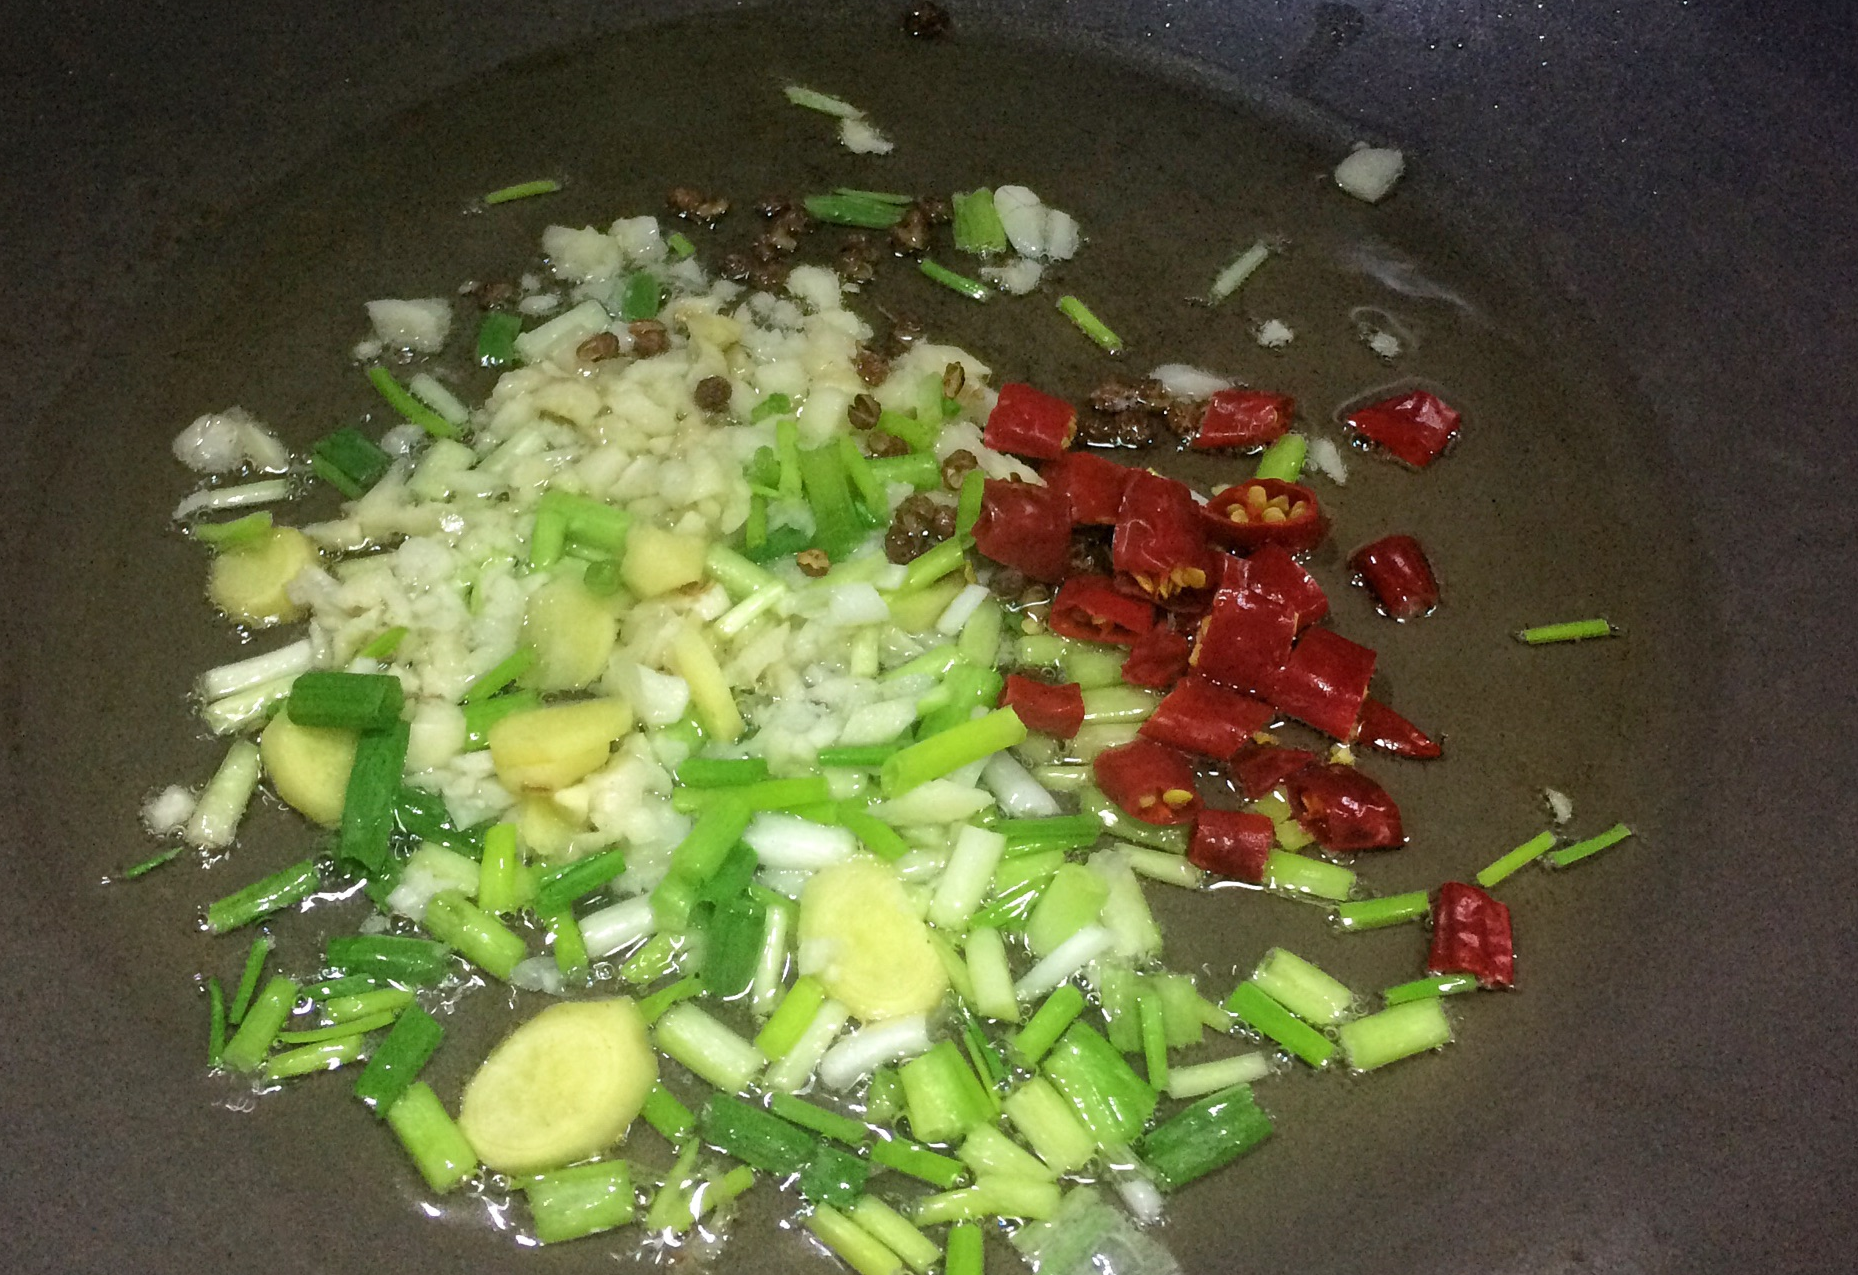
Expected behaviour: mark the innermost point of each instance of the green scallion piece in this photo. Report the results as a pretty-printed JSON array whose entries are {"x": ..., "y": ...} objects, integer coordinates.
[
  {"x": 424, "y": 815},
  {"x": 477, "y": 936},
  {"x": 321, "y": 1055},
  {"x": 523, "y": 190},
  {"x": 1090, "y": 325},
  {"x": 261, "y": 898},
  {"x": 852, "y": 1133},
  {"x": 368, "y": 804},
  {"x": 881, "y": 196},
  {"x": 499, "y": 880},
  {"x": 873, "y": 833},
  {"x": 943, "y": 1095},
  {"x": 679, "y": 244},
  {"x": 249, "y": 1045},
  {"x": 918, "y": 1161},
  {"x": 1154, "y": 1034},
  {"x": 950, "y": 750},
  {"x": 248, "y": 980},
  {"x": 968, "y": 504},
  {"x": 216, "y": 1022},
  {"x": 671, "y": 1118},
  {"x": 345, "y": 986},
  {"x": 430, "y": 1136},
  {"x": 481, "y": 715},
  {"x": 833, "y": 1177},
  {"x": 398, "y": 1059},
  {"x": 569, "y": 944},
  {"x": 863, "y": 1252},
  {"x": 1111, "y": 1099},
  {"x": 1532, "y": 849},
  {"x": 366, "y": 1004},
  {"x": 1283, "y": 459},
  {"x": 836, "y": 527},
  {"x": 500, "y": 675},
  {"x": 857, "y": 756},
  {"x": 652, "y": 1008},
  {"x": 602, "y": 578},
  {"x": 977, "y": 223},
  {"x": 1395, "y": 1033},
  {"x": 336, "y": 1031},
  {"x": 384, "y": 644},
  {"x": 967, "y": 1254},
  {"x": 1062, "y": 832},
  {"x": 584, "y": 1199},
  {"x": 560, "y": 888},
  {"x": 348, "y": 701},
  {"x": 1046, "y": 1025},
  {"x": 641, "y": 298},
  {"x": 1570, "y": 631},
  {"x": 1265, "y": 1016},
  {"x": 765, "y": 794},
  {"x": 403, "y": 402},
  {"x": 773, "y": 405},
  {"x": 1373, "y": 914},
  {"x": 1593, "y": 845},
  {"x": 920, "y": 434},
  {"x": 755, "y": 1137},
  {"x": 1290, "y": 873},
  {"x": 496, "y": 339},
  {"x": 849, "y": 210},
  {"x": 1431, "y": 986},
  {"x": 871, "y": 492},
  {"x": 1211, "y": 1133},
  {"x": 972, "y": 289},
  {"x": 1126, "y": 827},
  {"x": 148, "y": 865},
  {"x": 791, "y": 1017},
  {"x": 239, "y": 531},
  {"x": 349, "y": 461},
  {"x": 394, "y": 957},
  {"x": 732, "y": 945},
  {"x": 919, "y": 469}
]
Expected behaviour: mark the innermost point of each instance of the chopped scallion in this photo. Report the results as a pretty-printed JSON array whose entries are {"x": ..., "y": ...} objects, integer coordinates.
[
  {"x": 1090, "y": 325},
  {"x": 281, "y": 889},
  {"x": 972, "y": 289},
  {"x": 248, "y": 980},
  {"x": 1235, "y": 274},
  {"x": 404, "y": 403},
  {"x": 1593, "y": 845},
  {"x": 679, "y": 244},
  {"x": 978, "y": 228},
  {"x": 850, "y": 210},
  {"x": 347, "y": 701},
  {"x": 1528, "y": 851},
  {"x": 1569, "y": 631},
  {"x": 523, "y": 190}
]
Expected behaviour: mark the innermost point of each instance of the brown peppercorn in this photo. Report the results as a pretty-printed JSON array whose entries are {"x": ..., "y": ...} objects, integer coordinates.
[
  {"x": 687, "y": 201},
  {"x": 854, "y": 267},
  {"x": 957, "y": 466},
  {"x": 937, "y": 209},
  {"x": 915, "y": 528},
  {"x": 1088, "y": 555},
  {"x": 863, "y": 412},
  {"x": 771, "y": 245},
  {"x": 769, "y": 276},
  {"x": 873, "y": 368},
  {"x": 1119, "y": 429},
  {"x": 1116, "y": 395},
  {"x": 905, "y": 331},
  {"x": 1183, "y": 418},
  {"x": 774, "y": 205},
  {"x": 648, "y": 337},
  {"x": 1008, "y": 582},
  {"x": 735, "y": 266},
  {"x": 944, "y": 521},
  {"x": 494, "y": 294},
  {"x": 713, "y": 393},
  {"x": 926, "y": 20},
  {"x": 911, "y": 232},
  {"x": 954, "y": 376},
  {"x": 793, "y": 221},
  {"x": 599, "y": 346},
  {"x": 813, "y": 562},
  {"x": 879, "y": 443}
]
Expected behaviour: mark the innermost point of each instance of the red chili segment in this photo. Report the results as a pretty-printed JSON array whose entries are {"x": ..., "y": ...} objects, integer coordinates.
[
  {"x": 1048, "y": 709},
  {"x": 1274, "y": 573},
  {"x": 1266, "y": 511},
  {"x": 1244, "y": 418},
  {"x": 1323, "y": 683},
  {"x": 1029, "y": 422},
  {"x": 1380, "y": 727},
  {"x": 1158, "y": 659},
  {"x": 1414, "y": 426},
  {"x": 1201, "y": 716},
  {"x": 1396, "y": 570},
  {"x": 1093, "y": 484},
  {"x": 1344, "y": 809},
  {"x": 1151, "y": 781},
  {"x": 1093, "y": 609},
  {"x": 1244, "y": 639},
  {"x": 1258, "y": 768},
  {"x": 1233, "y": 843},
  {"x": 1471, "y": 935},
  {"x": 1027, "y": 526},
  {"x": 1160, "y": 541}
]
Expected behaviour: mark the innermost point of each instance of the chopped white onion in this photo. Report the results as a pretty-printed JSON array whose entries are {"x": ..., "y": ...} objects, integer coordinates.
[
  {"x": 538, "y": 974},
  {"x": 1559, "y": 804},
  {"x": 860, "y": 136},
  {"x": 1140, "y": 1197},
  {"x": 220, "y": 442},
  {"x": 419, "y": 325},
  {"x": 168, "y": 810},
  {"x": 1274, "y": 334},
  {"x": 1369, "y": 172},
  {"x": 856, "y": 603}
]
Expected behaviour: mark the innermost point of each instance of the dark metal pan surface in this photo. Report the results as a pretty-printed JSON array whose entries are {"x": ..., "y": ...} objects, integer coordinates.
[{"x": 1627, "y": 265}]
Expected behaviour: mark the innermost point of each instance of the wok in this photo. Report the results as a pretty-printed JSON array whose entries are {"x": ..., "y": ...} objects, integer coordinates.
[{"x": 1647, "y": 206}]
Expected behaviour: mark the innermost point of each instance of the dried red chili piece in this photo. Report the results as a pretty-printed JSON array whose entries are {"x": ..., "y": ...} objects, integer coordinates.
[
  {"x": 1093, "y": 484},
  {"x": 1025, "y": 525},
  {"x": 1029, "y": 422},
  {"x": 1093, "y": 609},
  {"x": 1323, "y": 683},
  {"x": 1244, "y": 418},
  {"x": 1344, "y": 809},
  {"x": 1151, "y": 781},
  {"x": 1414, "y": 426},
  {"x": 1158, "y": 659},
  {"x": 1233, "y": 843},
  {"x": 1396, "y": 570},
  {"x": 1380, "y": 727},
  {"x": 1048, "y": 709},
  {"x": 1160, "y": 542},
  {"x": 1244, "y": 639},
  {"x": 1274, "y": 573},
  {"x": 1471, "y": 935},
  {"x": 1201, "y": 716},
  {"x": 1259, "y": 768},
  {"x": 1266, "y": 511}
]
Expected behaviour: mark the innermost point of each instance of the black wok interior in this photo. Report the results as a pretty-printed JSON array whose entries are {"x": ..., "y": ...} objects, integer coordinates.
[{"x": 1651, "y": 205}]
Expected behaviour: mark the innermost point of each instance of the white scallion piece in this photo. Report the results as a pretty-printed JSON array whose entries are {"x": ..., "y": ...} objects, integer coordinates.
[
  {"x": 1159, "y": 865},
  {"x": 856, "y": 603},
  {"x": 229, "y": 679},
  {"x": 1185, "y": 381},
  {"x": 989, "y": 973},
  {"x": 235, "y": 712},
  {"x": 1327, "y": 459},
  {"x": 427, "y": 389},
  {"x": 938, "y": 801},
  {"x": 962, "y": 606},
  {"x": 860, "y": 136},
  {"x": 688, "y": 1034},
  {"x": 970, "y": 871},
  {"x": 1369, "y": 172},
  {"x": 564, "y": 331},
  {"x": 1064, "y": 960},
  {"x": 1125, "y": 911},
  {"x": 420, "y": 325},
  {"x": 1140, "y": 1197},
  {"x": 1020, "y": 794},
  {"x": 794, "y": 1070},
  {"x": 766, "y": 991},
  {"x": 824, "y": 103},
  {"x": 266, "y": 492},
  {"x": 871, "y": 1047},
  {"x": 617, "y": 926},
  {"x": 215, "y": 820},
  {"x": 1229, "y": 280},
  {"x": 1200, "y": 1079},
  {"x": 784, "y": 841},
  {"x": 431, "y": 870},
  {"x": 1559, "y": 804}
]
